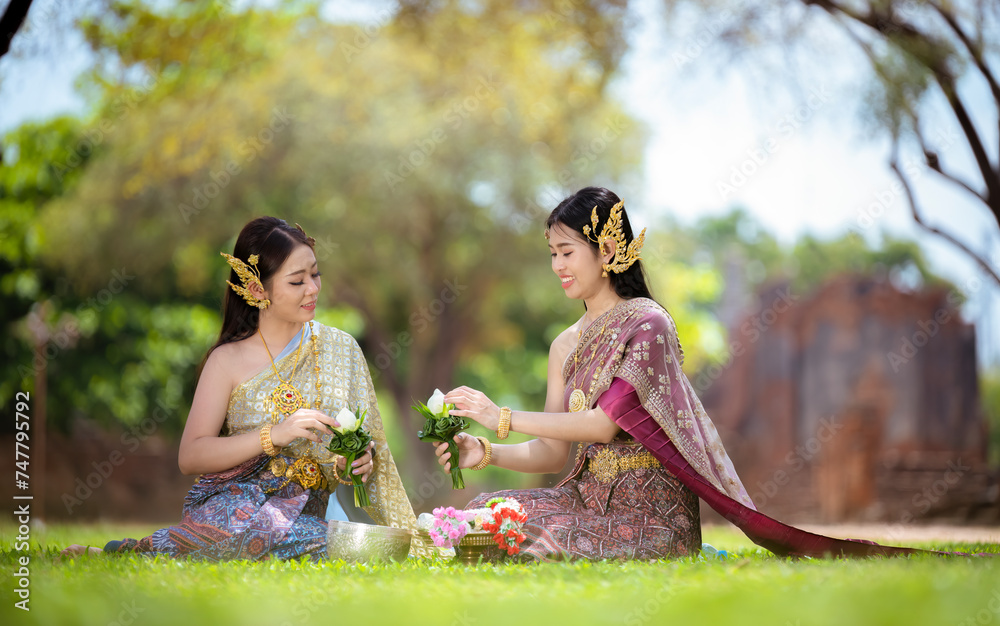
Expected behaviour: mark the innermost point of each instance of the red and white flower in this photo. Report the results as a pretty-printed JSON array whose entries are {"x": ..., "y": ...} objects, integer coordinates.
[{"x": 508, "y": 519}]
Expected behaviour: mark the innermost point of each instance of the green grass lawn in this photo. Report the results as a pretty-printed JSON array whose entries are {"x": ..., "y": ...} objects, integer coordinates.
[{"x": 749, "y": 587}]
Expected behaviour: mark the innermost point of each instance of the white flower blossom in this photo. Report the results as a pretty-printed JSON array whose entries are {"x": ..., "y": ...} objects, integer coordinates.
[
  {"x": 436, "y": 404},
  {"x": 347, "y": 420}
]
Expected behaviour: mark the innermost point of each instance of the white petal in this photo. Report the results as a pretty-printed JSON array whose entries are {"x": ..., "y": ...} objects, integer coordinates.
[
  {"x": 436, "y": 403},
  {"x": 347, "y": 420}
]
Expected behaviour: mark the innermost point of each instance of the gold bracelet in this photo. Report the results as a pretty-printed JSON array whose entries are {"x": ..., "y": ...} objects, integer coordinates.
[
  {"x": 503, "y": 428},
  {"x": 341, "y": 480},
  {"x": 487, "y": 455},
  {"x": 265, "y": 441}
]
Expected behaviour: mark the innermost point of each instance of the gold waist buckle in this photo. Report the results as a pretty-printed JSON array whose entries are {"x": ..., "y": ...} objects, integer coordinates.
[
  {"x": 608, "y": 464},
  {"x": 304, "y": 471}
]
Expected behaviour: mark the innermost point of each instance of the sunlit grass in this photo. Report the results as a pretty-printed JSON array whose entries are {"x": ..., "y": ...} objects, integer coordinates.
[{"x": 749, "y": 587}]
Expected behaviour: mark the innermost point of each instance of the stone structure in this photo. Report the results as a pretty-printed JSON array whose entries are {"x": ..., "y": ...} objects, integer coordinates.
[{"x": 857, "y": 402}]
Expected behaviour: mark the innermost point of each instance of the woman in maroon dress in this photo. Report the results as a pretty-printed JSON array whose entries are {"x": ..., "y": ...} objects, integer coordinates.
[{"x": 615, "y": 383}]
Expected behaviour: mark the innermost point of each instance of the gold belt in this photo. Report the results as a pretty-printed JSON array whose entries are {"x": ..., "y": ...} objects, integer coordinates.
[
  {"x": 608, "y": 464},
  {"x": 304, "y": 471}
]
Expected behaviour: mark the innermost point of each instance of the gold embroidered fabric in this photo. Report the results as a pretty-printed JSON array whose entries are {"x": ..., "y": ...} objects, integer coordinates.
[
  {"x": 344, "y": 382},
  {"x": 608, "y": 463}
]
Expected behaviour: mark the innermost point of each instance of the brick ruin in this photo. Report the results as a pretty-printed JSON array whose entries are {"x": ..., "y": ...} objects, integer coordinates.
[{"x": 859, "y": 402}]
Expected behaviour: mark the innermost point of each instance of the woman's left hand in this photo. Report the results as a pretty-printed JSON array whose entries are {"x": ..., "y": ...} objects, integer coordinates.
[
  {"x": 363, "y": 465},
  {"x": 474, "y": 405}
]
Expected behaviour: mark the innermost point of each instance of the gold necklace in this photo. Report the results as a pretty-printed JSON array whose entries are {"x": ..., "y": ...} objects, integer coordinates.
[
  {"x": 285, "y": 397},
  {"x": 578, "y": 399}
]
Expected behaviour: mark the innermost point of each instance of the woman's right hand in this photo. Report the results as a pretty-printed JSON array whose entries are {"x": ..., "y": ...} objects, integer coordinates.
[
  {"x": 470, "y": 452},
  {"x": 306, "y": 423}
]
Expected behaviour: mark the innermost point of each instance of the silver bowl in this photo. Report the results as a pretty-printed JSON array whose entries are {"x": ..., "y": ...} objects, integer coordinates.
[{"x": 360, "y": 543}]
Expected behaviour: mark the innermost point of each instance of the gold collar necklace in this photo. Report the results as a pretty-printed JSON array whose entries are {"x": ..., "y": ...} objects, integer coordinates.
[{"x": 285, "y": 397}]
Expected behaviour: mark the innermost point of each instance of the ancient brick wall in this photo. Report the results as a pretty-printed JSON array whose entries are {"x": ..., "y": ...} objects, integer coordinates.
[{"x": 850, "y": 403}]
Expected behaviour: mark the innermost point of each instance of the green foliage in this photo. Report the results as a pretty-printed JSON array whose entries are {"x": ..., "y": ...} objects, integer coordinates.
[
  {"x": 989, "y": 389},
  {"x": 739, "y": 240},
  {"x": 423, "y": 153},
  {"x": 690, "y": 265},
  {"x": 817, "y": 260},
  {"x": 402, "y": 150},
  {"x": 30, "y": 176},
  {"x": 751, "y": 587},
  {"x": 689, "y": 292}
]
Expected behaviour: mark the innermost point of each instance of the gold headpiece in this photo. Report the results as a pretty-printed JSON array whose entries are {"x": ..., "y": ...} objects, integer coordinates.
[
  {"x": 248, "y": 275},
  {"x": 625, "y": 256},
  {"x": 309, "y": 240}
]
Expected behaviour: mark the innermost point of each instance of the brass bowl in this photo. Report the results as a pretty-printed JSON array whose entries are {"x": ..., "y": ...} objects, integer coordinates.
[
  {"x": 360, "y": 543},
  {"x": 475, "y": 546}
]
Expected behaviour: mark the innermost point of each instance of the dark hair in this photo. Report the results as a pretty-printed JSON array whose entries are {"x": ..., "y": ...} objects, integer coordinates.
[
  {"x": 272, "y": 240},
  {"x": 575, "y": 212}
]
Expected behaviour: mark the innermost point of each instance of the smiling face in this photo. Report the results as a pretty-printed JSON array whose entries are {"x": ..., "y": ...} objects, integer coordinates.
[
  {"x": 576, "y": 263},
  {"x": 294, "y": 287}
]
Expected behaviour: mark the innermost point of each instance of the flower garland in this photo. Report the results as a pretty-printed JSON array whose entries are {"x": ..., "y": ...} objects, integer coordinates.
[{"x": 507, "y": 520}]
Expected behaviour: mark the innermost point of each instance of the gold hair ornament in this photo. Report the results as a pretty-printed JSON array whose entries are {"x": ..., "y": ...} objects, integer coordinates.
[
  {"x": 248, "y": 276},
  {"x": 309, "y": 240},
  {"x": 625, "y": 256}
]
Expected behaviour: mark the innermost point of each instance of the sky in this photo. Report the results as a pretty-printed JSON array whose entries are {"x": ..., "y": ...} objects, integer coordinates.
[
  {"x": 795, "y": 149},
  {"x": 791, "y": 147}
]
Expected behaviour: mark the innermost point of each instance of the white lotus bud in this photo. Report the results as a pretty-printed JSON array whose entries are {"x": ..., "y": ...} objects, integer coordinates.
[
  {"x": 347, "y": 420},
  {"x": 436, "y": 403}
]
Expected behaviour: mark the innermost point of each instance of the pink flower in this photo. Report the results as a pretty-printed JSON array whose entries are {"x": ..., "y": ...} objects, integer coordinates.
[{"x": 449, "y": 526}]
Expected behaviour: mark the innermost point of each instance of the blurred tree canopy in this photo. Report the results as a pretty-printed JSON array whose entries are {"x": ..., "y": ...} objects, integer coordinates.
[
  {"x": 423, "y": 160},
  {"x": 930, "y": 60},
  {"x": 422, "y": 150}
]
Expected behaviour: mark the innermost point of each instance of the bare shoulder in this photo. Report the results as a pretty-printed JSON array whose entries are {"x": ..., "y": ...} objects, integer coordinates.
[
  {"x": 563, "y": 344},
  {"x": 233, "y": 362},
  {"x": 223, "y": 356}
]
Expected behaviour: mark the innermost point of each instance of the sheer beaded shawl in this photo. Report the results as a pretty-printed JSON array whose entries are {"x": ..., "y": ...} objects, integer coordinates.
[{"x": 344, "y": 382}]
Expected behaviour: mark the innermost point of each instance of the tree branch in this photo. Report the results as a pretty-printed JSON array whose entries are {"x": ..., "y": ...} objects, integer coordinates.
[
  {"x": 934, "y": 162},
  {"x": 974, "y": 52},
  {"x": 894, "y": 164},
  {"x": 912, "y": 42},
  {"x": 990, "y": 177},
  {"x": 11, "y": 21}
]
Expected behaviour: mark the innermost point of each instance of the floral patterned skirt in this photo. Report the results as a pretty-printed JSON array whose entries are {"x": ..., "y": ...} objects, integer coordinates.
[
  {"x": 642, "y": 513},
  {"x": 245, "y": 513}
]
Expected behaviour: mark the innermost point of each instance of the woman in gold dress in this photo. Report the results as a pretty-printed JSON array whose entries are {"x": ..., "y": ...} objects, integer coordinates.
[{"x": 260, "y": 421}]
